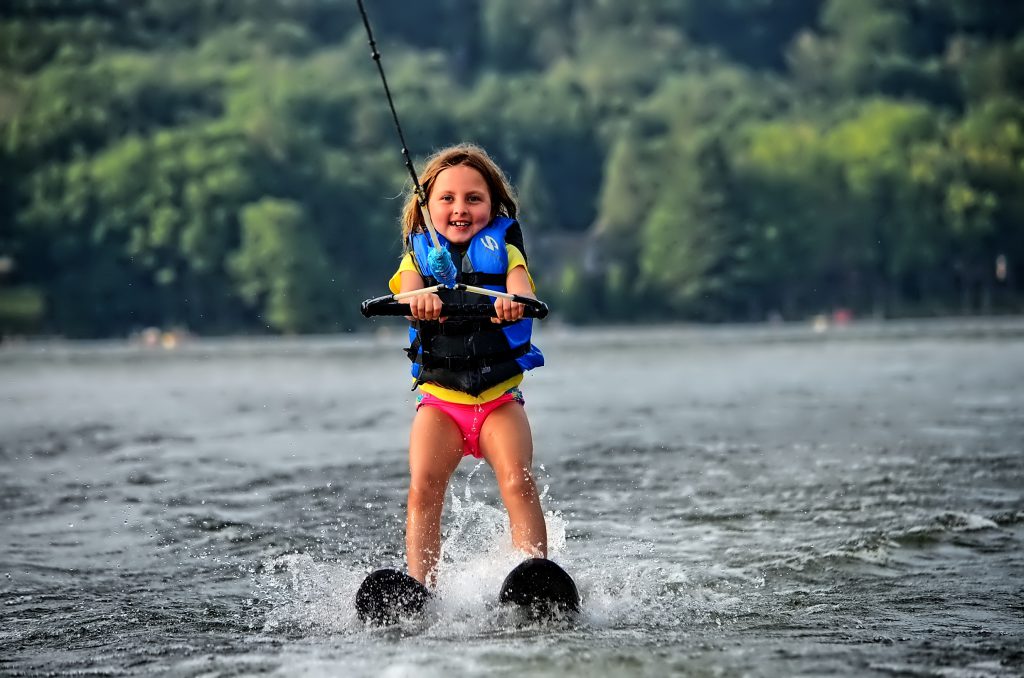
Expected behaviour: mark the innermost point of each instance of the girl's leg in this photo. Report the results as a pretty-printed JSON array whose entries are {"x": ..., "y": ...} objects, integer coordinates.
[
  {"x": 435, "y": 450},
  {"x": 507, "y": 444}
]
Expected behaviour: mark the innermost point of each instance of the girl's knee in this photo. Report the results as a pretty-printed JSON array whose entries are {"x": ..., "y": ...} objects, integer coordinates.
[
  {"x": 518, "y": 483},
  {"x": 427, "y": 489}
]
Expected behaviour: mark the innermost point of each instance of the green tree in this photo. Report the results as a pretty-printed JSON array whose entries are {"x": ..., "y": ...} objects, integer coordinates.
[
  {"x": 985, "y": 198},
  {"x": 536, "y": 202},
  {"x": 279, "y": 268},
  {"x": 690, "y": 241}
]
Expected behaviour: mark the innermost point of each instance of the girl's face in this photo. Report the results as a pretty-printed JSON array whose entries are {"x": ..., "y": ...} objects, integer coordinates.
[{"x": 460, "y": 203}]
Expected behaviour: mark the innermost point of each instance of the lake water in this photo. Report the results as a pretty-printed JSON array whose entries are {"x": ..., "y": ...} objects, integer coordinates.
[{"x": 731, "y": 501}]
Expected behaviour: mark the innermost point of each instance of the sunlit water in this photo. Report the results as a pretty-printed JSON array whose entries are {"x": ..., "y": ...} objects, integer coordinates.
[{"x": 730, "y": 502}]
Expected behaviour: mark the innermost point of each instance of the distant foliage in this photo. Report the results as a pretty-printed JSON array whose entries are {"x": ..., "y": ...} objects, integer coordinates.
[{"x": 230, "y": 166}]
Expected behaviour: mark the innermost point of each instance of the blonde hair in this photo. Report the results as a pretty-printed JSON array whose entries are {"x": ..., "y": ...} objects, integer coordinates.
[{"x": 503, "y": 199}]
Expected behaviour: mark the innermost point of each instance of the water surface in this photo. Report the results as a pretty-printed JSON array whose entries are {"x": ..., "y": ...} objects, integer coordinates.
[{"x": 731, "y": 501}]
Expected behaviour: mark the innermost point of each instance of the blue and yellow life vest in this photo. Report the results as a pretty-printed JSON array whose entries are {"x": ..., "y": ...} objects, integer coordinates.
[{"x": 471, "y": 355}]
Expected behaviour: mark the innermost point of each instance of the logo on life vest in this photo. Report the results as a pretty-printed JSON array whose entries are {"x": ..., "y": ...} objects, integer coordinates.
[{"x": 490, "y": 243}]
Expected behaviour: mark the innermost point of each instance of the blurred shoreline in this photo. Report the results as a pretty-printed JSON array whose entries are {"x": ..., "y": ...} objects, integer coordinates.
[{"x": 390, "y": 336}]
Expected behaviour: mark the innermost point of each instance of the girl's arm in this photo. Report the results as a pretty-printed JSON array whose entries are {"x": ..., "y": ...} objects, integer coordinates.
[
  {"x": 517, "y": 282},
  {"x": 421, "y": 306}
]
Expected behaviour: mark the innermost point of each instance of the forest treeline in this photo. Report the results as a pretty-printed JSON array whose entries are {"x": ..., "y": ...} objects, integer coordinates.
[{"x": 230, "y": 166}]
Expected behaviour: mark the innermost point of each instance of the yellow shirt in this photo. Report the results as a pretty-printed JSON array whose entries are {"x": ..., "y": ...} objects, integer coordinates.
[{"x": 515, "y": 258}]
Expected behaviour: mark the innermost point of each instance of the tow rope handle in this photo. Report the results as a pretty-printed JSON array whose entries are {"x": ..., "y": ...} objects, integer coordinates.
[{"x": 391, "y": 305}]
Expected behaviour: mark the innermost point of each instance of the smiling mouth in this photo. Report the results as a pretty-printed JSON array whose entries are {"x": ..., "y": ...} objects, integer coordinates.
[{"x": 460, "y": 224}]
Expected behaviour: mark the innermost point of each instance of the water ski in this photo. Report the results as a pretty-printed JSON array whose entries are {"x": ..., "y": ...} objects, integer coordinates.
[
  {"x": 386, "y": 595},
  {"x": 540, "y": 588}
]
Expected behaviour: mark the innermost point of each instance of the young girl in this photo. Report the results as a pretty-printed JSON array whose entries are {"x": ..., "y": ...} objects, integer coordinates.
[{"x": 468, "y": 370}]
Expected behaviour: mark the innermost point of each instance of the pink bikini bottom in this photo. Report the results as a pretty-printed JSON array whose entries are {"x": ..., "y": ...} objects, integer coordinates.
[{"x": 470, "y": 418}]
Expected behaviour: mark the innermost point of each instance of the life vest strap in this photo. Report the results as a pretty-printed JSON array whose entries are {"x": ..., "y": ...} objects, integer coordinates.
[{"x": 463, "y": 363}]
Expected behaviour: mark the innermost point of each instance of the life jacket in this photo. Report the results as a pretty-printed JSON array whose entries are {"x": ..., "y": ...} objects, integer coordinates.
[{"x": 470, "y": 354}]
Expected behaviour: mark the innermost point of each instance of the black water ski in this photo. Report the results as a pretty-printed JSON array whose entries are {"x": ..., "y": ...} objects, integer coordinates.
[
  {"x": 386, "y": 595},
  {"x": 541, "y": 589}
]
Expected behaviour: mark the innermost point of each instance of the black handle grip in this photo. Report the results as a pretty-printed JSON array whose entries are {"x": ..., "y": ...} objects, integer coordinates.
[{"x": 385, "y": 306}]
